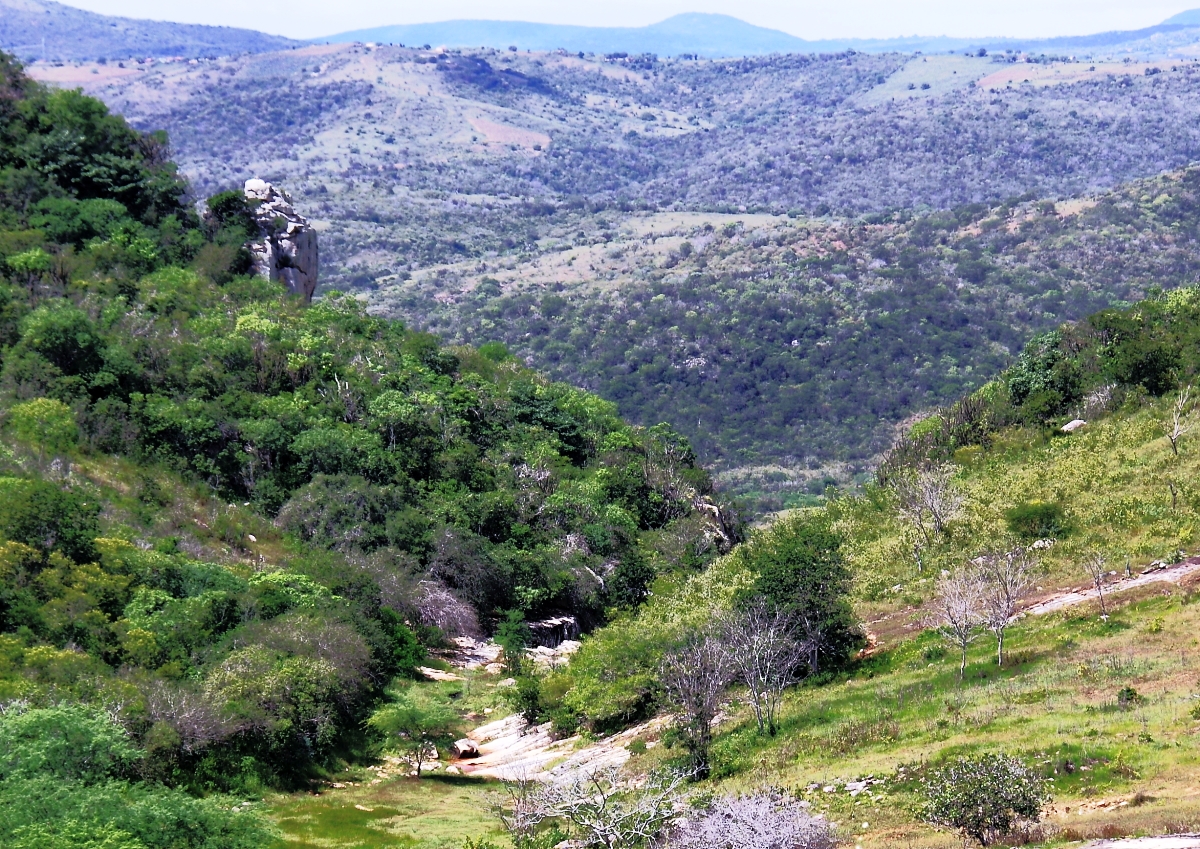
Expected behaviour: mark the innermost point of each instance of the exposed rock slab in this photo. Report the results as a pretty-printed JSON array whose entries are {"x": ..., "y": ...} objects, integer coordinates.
[{"x": 286, "y": 248}]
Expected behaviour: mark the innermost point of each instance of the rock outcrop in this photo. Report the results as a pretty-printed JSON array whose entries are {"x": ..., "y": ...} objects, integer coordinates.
[{"x": 286, "y": 248}]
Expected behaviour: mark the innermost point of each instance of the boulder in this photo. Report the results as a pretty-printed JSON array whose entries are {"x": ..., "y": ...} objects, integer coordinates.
[
  {"x": 286, "y": 247},
  {"x": 466, "y": 749}
]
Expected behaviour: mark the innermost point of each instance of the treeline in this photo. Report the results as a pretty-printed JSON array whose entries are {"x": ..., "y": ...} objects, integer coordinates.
[
  {"x": 1078, "y": 371},
  {"x": 227, "y": 520}
]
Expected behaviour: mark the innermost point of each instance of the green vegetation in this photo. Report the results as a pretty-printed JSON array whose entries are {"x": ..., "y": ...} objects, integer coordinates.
[
  {"x": 984, "y": 797},
  {"x": 228, "y": 520}
]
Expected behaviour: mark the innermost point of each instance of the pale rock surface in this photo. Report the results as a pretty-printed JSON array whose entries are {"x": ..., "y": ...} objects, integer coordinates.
[{"x": 286, "y": 248}]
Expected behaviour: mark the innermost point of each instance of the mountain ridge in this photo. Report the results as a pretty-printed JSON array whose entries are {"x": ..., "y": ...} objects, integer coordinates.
[
  {"x": 716, "y": 36},
  {"x": 44, "y": 29}
]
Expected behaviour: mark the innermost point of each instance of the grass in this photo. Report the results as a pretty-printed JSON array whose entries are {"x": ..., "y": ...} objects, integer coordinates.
[
  {"x": 426, "y": 813},
  {"x": 1115, "y": 769},
  {"x": 1112, "y": 479}
]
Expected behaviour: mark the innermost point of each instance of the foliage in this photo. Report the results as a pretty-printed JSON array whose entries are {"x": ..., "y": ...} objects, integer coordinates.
[
  {"x": 260, "y": 511},
  {"x": 984, "y": 796},
  {"x": 802, "y": 572},
  {"x": 60, "y": 785},
  {"x": 416, "y": 722},
  {"x": 1034, "y": 520},
  {"x": 69, "y": 742}
]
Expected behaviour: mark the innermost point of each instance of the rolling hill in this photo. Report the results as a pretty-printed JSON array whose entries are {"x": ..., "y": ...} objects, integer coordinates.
[
  {"x": 716, "y": 36},
  {"x": 572, "y": 185},
  {"x": 50, "y": 31}
]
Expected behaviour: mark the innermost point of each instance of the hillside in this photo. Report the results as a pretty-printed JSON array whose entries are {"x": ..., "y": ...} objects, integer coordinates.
[
  {"x": 1099, "y": 702},
  {"x": 55, "y": 32},
  {"x": 439, "y": 183},
  {"x": 229, "y": 520},
  {"x": 1116, "y": 490},
  {"x": 779, "y": 345}
]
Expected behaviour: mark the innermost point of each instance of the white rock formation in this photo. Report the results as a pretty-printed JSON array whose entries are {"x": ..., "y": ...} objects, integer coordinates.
[{"x": 286, "y": 248}]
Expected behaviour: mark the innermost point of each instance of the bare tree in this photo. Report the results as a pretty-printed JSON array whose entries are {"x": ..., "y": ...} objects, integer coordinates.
[
  {"x": 1006, "y": 578},
  {"x": 598, "y": 809},
  {"x": 765, "y": 655},
  {"x": 929, "y": 500},
  {"x": 958, "y": 610},
  {"x": 695, "y": 675},
  {"x": 1095, "y": 568},
  {"x": 1178, "y": 425},
  {"x": 766, "y": 819}
]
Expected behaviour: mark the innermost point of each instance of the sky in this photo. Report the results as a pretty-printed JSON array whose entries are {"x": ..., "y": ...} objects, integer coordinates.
[{"x": 809, "y": 19}]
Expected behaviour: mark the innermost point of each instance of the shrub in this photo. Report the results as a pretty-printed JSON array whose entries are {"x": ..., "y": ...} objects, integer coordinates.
[
  {"x": 70, "y": 742},
  {"x": 1034, "y": 520},
  {"x": 44, "y": 517},
  {"x": 767, "y": 818},
  {"x": 984, "y": 797},
  {"x": 44, "y": 422}
]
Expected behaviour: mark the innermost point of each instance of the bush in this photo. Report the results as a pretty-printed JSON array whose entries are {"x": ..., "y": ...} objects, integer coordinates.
[
  {"x": 1034, "y": 520},
  {"x": 68, "y": 742},
  {"x": 765, "y": 818},
  {"x": 984, "y": 797},
  {"x": 47, "y": 518}
]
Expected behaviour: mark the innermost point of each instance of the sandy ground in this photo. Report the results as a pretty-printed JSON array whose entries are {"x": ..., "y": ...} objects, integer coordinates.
[{"x": 1173, "y": 574}]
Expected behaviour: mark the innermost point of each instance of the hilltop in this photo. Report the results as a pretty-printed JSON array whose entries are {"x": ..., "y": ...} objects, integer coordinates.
[{"x": 50, "y": 31}]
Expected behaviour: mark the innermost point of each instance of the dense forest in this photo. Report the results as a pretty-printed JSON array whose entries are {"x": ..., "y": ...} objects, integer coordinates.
[{"x": 227, "y": 520}]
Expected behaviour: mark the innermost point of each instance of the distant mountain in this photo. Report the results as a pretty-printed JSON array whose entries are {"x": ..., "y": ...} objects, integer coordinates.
[
  {"x": 1190, "y": 18},
  {"x": 42, "y": 29},
  {"x": 706, "y": 35},
  {"x": 721, "y": 35}
]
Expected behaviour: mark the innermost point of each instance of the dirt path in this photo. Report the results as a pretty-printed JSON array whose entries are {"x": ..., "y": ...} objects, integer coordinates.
[
  {"x": 1174, "y": 574},
  {"x": 1178, "y": 841}
]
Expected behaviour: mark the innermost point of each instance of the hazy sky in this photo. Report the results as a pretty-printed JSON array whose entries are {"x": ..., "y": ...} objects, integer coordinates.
[{"x": 804, "y": 18}]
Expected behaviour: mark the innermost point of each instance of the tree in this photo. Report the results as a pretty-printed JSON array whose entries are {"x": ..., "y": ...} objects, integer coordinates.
[
  {"x": 1178, "y": 425},
  {"x": 416, "y": 724},
  {"x": 46, "y": 423},
  {"x": 929, "y": 500},
  {"x": 801, "y": 571},
  {"x": 1006, "y": 580},
  {"x": 1095, "y": 568},
  {"x": 695, "y": 675},
  {"x": 765, "y": 819},
  {"x": 764, "y": 654},
  {"x": 984, "y": 797},
  {"x": 597, "y": 809},
  {"x": 957, "y": 611}
]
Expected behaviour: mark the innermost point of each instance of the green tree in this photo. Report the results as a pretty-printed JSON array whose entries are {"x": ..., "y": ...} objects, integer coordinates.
[
  {"x": 46, "y": 423},
  {"x": 416, "y": 722},
  {"x": 69, "y": 742},
  {"x": 802, "y": 572},
  {"x": 47, "y": 518},
  {"x": 984, "y": 797}
]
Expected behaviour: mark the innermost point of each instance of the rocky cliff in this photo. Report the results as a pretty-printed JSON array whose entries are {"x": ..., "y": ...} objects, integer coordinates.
[{"x": 286, "y": 248}]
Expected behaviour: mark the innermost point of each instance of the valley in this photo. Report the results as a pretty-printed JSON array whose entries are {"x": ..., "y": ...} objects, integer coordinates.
[
  {"x": 582, "y": 179},
  {"x": 792, "y": 451}
]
